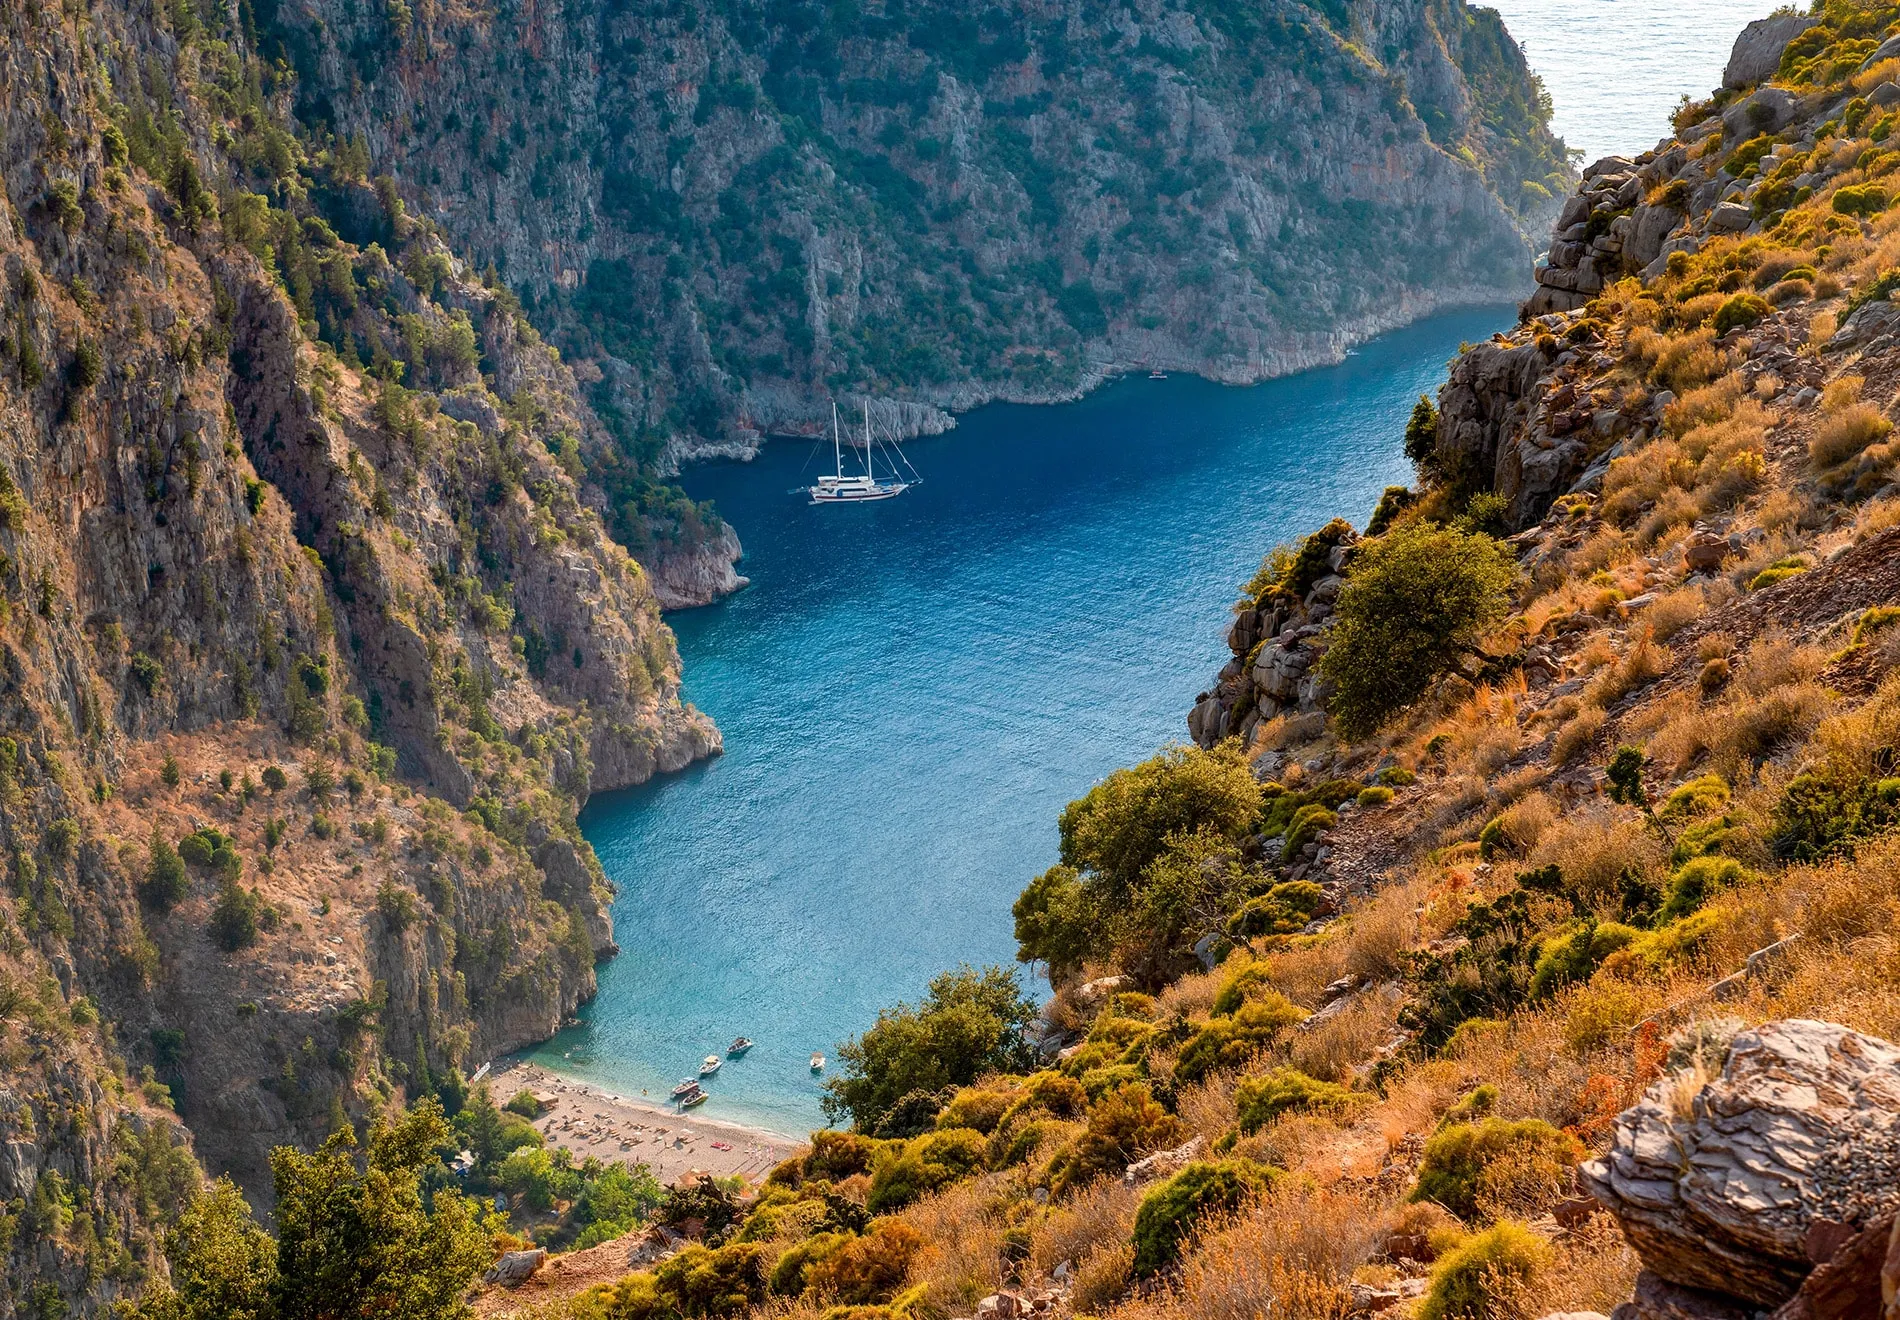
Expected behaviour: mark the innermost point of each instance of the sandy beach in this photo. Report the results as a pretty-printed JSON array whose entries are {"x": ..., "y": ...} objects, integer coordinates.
[{"x": 589, "y": 1120}]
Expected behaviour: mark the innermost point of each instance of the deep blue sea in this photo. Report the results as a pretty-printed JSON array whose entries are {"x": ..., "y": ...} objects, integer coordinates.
[{"x": 911, "y": 691}]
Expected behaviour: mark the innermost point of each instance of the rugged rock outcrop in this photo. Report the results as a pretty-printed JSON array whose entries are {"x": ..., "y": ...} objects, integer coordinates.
[
  {"x": 1757, "y": 51},
  {"x": 1740, "y": 1185},
  {"x": 700, "y": 576}
]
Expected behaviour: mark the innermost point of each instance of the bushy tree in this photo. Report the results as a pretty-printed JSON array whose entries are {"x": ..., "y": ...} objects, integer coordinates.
[
  {"x": 1421, "y": 436},
  {"x": 1418, "y": 600},
  {"x": 165, "y": 881},
  {"x": 354, "y": 1239},
  {"x": 222, "y": 1263},
  {"x": 1147, "y": 858},
  {"x": 969, "y": 1022},
  {"x": 1123, "y": 823}
]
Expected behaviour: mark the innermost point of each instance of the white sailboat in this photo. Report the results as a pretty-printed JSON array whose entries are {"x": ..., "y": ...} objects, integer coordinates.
[{"x": 858, "y": 487}]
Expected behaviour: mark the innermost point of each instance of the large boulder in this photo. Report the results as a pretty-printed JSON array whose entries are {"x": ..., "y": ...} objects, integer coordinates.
[
  {"x": 1741, "y": 1186},
  {"x": 1757, "y": 52},
  {"x": 1768, "y": 110}
]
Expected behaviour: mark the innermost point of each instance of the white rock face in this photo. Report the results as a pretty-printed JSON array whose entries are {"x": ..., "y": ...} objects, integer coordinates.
[{"x": 1798, "y": 1139}]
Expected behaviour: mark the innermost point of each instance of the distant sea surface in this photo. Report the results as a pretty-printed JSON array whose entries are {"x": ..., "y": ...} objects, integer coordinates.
[
  {"x": 911, "y": 691},
  {"x": 1617, "y": 68}
]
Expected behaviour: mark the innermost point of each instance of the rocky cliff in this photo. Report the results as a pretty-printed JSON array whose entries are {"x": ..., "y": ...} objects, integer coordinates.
[
  {"x": 740, "y": 209},
  {"x": 312, "y": 644}
]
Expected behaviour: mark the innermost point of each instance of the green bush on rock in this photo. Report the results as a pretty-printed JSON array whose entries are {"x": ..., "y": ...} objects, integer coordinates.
[{"x": 1417, "y": 602}]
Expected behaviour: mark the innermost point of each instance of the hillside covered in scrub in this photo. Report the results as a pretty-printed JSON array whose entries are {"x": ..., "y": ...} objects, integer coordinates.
[
  {"x": 735, "y": 209},
  {"x": 311, "y": 644},
  {"x": 1515, "y": 936}
]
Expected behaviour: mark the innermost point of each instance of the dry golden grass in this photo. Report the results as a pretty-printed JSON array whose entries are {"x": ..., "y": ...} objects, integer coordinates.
[
  {"x": 1592, "y": 1269},
  {"x": 1100, "y": 1216},
  {"x": 1576, "y": 737},
  {"x": 1334, "y": 1049},
  {"x": 1669, "y": 614},
  {"x": 1208, "y": 1109},
  {"x": 963, "y": 1259},
  {"x": 1843, "y": 434},
  {"x": 1525, "y": 821},
  {"x": 1595, "y": 846}
]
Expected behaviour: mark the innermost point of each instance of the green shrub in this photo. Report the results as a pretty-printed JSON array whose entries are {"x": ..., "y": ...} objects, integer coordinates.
[
  {"x": 1574, "y": 955},
  {"x": 1394, "y": 501},
  {"x": 1376, "y": 796},
  {"x": 1308, "y": 823},
  {"x": 1169, "y": 1212},
  {"x": 866, "y": 1269},
  {"x": 1124, "y": 1125},
  {"x": 1397, "y": 776},
  {"x": 1678, "y": 944},
  {"x": 1872, "y": 621},
  {"x": 165, "y": 880},
  {"x": 1696, "y": 881},
  {"x": 1456, "y": 1157},
  {"x": 901, "y": 1174},
  {"x": 1779, "y": 571},
  {"x": 723, "y": 1282},
  {"x": 1227, "y": 1042},
  {"x": 1820, "y": 816},
  {"x": 1739, "y": 312},
  {"x": 1461, "y": 1280},
  {"x": 1282, "y": 910},
  {"x": 89, "y": 365},
  {"x": 524, "y": 1104},
  {"x": 1861, "y": 199},
  {"x": 234, "y": 917},
  {"x": 1417, "y": 602},
  {"x": 62, "y": 838},
  {"x": 146, "y": 672},
  {"x": 1262, "y": 1099},
  {"x": 1046, "y": 1092},
  {"x": 1474, "y": 1104},
  {"x": 1240, "y": 981},
  {"x": 969, "y": 1023},
  {"x": 788, "y": 1275},
  {"x": 1698, "y": 797}
]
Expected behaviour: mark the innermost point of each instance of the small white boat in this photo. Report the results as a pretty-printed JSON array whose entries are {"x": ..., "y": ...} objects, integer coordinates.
[
  {"x": 858, "y": 488},
  {"x": 817, "y": 1061},
  {"x": 709, "y": 1065},
  {"x": 698, "y": 1097},
  {"x": 738, "y": 1047},
  {"x": 686, "y": 1087},
  {"x": 1157, "y": 374}
]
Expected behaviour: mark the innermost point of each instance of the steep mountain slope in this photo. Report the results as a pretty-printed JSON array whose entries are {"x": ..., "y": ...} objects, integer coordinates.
[
  {"x": 305, "y": 670},
  {"x": 739, "y": 208},
  {"x": 1519, "y": 942}
]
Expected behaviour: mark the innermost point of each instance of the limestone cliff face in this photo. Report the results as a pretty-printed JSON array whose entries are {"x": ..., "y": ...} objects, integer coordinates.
[
  {"x": 740, "y": 210},
  {"x": 311, "y": 644}
]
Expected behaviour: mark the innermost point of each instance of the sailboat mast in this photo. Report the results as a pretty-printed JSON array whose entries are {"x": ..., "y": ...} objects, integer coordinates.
[
  {"x": 837, "y": 446},
  {"x": 867, "y": 442}
]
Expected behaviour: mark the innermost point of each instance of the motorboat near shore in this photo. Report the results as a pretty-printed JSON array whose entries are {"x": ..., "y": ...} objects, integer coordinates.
[
  {"x": 738, "y": 1048},
  {"x": 709, "y": 1065},
  {"x": 817, "y": 1061}
]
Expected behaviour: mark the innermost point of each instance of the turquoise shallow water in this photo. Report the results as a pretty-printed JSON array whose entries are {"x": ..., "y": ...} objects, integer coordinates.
[{"x": 910, "y": 692}]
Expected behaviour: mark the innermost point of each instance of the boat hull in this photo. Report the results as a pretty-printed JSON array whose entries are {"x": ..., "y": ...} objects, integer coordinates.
[{"x": 858, "y": 495}]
